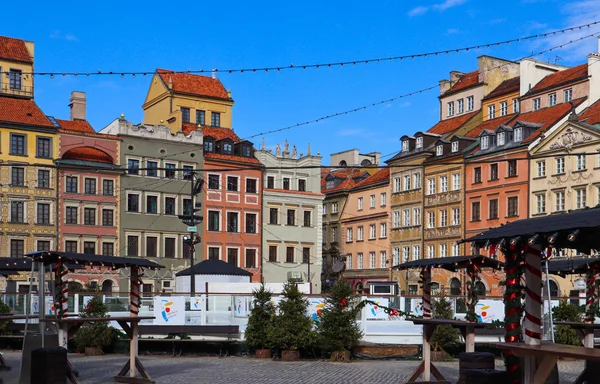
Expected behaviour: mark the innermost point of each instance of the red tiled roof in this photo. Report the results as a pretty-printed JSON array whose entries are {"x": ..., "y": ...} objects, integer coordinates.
[
  {"x": 344, "y": 186},
  {"x": 507, "y": 86},
  {"x": 76, "y": 125},
  {"x": 88, "y": 154},
  {"x": 378, "y": 177},
  {"x": 218, "y": 133},
  {"x": 490, "y": 124},
  {"x": 293, "y": 192},
  {"x": 450, "y": 125},
  {"x": 591, "y": 115},
  {"x": 22, "y": 111},
  {"x": 561, "y": 78},
  {"x": 467, "y": 80},
  {"x": 14, "y": 49},
  {"x": 194, "y": 84},
  {"x": 348, "y": 175},
  {"x": 545, "y": 116},
  {"x": 237, "y": 159}
]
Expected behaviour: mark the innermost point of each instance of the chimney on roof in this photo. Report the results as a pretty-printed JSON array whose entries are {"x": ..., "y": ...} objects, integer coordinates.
[
  {"x": 594, "y": 75},
  {"x": 444, "y": 86},
  {"x": 455, "y": 76},
  {"x": 77, "y": 105}
]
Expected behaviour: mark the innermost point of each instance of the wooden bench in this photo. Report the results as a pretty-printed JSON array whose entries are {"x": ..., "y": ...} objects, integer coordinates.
[
  {"x": 548, "y": 355},
  {"x": 228, "y": 331}
]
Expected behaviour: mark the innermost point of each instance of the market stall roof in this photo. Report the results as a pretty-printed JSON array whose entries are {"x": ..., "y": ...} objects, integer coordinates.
[
  {"x": 575, "y": 266},
  {"x": 214, "y": 267},
  {"x": 576, "y": 230},
  {"x": 14, "y": 265},
  {"x": 452, "y": 263},
  {"x": 51, "y": 257}
]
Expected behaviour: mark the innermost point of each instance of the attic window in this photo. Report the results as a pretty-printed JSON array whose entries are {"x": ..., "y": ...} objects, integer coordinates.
[
  {"x": 246, "y": 151},
  {"x": 501, "y": 138},
  {"x": 518, "y": 135},
  {"x": 404, "y": 145},
  {"x": 454, "y": 146},
  {"x": 227, "y": 148},
  {"x": 419, "y": 142},
  {"x": 439, "y": 150},
  {"x": 485, "y": 143},
  {"x": 209, "y": 146}
]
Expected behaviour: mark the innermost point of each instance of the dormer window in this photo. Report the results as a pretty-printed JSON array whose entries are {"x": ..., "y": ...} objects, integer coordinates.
[
  {"x": 439, "y": 150},
  {"x": 518, "y": 135},
  {"x": 404, "y": 145},
  {"x": 501, "y": 138},
  {"x": 419, "y": 142},
  {"x": 454, "y": 146},
  {"x": 246, "y": 151},
  {"x": 485, "y": 142},
  {"x": 227, "y": 148},
  {"x": 209, "y": 146}
]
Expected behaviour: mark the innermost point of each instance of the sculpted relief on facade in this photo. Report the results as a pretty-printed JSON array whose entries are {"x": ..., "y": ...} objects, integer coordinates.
[{"x": 570, "y": 138}]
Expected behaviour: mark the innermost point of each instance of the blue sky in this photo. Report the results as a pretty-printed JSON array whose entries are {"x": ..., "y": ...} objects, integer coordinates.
[{"x": 127, "y": 36}]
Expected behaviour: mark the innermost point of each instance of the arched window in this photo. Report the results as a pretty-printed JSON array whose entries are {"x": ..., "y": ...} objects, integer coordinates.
[
  {"x": 107, "y": 286},
  {"x": 480, "y": 289},
  {"x": 343, "y": 163},
  {"x": 435, "y": 288},
  {"x": 365, "y": 163},
  {"x": 553, "y": 289},
  {"x": 455, "y": 286},
  {"x": 358, "y": 287}
]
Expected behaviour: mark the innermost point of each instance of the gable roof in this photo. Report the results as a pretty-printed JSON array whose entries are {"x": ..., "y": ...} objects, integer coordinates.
[
  {"x": 591, "y": 115},
  {"x": 14, "y": 50},
  {"x": 468, "y": 80},
  {"x": 507, "y": 86},
  {"x": 82, "y": 128},
  {"x": 560, "y": 78},
  {"x": 214, "y": 267},
  {"x": 192, "y": 84},
  {"x": 491, "y": 125},
  {"x": 381, "y": 176},
  {"x": 450, "y": 125},
  {"x": 22, "y": 111},
  {"x": 348, "y": 175}
]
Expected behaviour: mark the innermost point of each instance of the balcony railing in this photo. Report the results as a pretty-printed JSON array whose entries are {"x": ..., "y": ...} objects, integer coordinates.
[{"x": 24, "y": 91}]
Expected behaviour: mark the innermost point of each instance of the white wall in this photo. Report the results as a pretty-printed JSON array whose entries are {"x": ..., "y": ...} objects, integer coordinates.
[{"x": 182, "y": 283}]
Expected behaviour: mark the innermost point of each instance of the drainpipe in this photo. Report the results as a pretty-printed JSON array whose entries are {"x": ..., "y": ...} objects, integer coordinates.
[{"x": 56, "y": 207}]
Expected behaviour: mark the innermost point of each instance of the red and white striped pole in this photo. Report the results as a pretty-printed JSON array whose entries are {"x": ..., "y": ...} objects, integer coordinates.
[
  {"x": 61, "y": 301},
  {"x": 426, "y": 281},
  {"x": 532, "y": 323},
  {"x": 134, "y": 292}
]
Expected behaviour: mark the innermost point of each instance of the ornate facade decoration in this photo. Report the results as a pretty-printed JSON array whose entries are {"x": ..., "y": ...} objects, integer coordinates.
[{"x": 570, "y": 138}]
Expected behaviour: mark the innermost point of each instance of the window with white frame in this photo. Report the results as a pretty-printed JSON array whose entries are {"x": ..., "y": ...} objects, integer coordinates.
[
  {"x": 461, "y": 106},
  {"x": 568, "y": 95},
  {"x": 580, "y": 163},
  {"x": 372, "y": 201},
  {"x": 349, "y": 235},
  {"x": 404, "y": 145},
  {"x": 456, "y": 181},
  {"x": 559, "y": 198},
  {"x": 518, "y": 135},
  {"x": 439, "y": 150},
  {"x": 443, "y": 184},
  {"x": 560, "y": 165},
  {"x": 416, "y": 216},
  {"x": 334, "y": 207},
  {"x": 360, "y": 203},
  {"x": 501, "y": 138},
  {"x": 450, "y": 108},
  {"x": 396, "y": 219},
  {"x": 396, "y": 255},
  {"x": 383, "y": 199},
  {"x": 484, "y": 142},
  {"x": 383, "y": 230},
  {"x": 443, "y": 218},
  {"x": 430, "y": 219},
  {"x": 359, "y": 257},
  {"x": 349, "y": 262},
  {"x": 406, "y": 218},
  {"x": 405, "y": 254},
  {"x": 516, "y": 105},
  {"x": 540, "y": 203},
  {"x": 360, "y": 233},
  {"x": 396, "y": 184},
  {"x": 470, "y": 103},
  {"x": 537, "y": 103},
  {"x": 430, "y": 186},
  {"x": 503, "y": 108},
  {"x": 455, "y": 216},
  {"x": 491, "y": 111},
  {"x": 552, "y": 99},
  {"x": 372, "y": 261},
  {"x": 541, "y": 168},
  {"x": 416, "y": 252},
  {"x": 419, "y": 143},
  {"x": 443, "y": 250},
  {"x": 372, "y": 231},
  {"x": 406, "y": 184},
  {"x": 455, "y": 249},
  {"x": 430, "y": 251},
  {"x": 454, "y": 146},
  {"x": 382, "y": 259},
  {"x": 580, "y": 198},
  {"x": 417, "y": 179}
]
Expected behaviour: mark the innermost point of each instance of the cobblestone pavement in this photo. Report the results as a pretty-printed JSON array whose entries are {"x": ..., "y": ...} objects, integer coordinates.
[{"x": 233, "y": 370}]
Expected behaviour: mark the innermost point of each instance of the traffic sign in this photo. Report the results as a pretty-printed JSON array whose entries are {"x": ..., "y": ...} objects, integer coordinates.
[{"x": 192, "y": 229}]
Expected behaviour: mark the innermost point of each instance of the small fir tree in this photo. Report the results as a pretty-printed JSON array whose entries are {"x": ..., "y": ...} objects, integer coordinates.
[
  {"x": 292, "y": 327},
  {"x": 566, "y": 312},
  {"x": 96, "y": 334},
  {"x": 337, "y": 329},
  {"x": 259, "y": 332},
  {"x": 444, "y": 336}
]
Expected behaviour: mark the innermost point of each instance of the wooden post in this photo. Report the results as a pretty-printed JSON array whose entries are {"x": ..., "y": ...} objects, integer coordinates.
[
  {"x": 470, "y": 339},
  {"x": 426, "y": 281},
  {"x": 532, "y": 323},
  {"x": 427, "y": 332},
  {"x": 134, "y": 309}
]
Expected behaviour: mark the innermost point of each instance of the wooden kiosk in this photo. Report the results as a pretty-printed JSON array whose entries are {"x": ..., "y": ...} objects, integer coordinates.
[
  {"x": 524, "y": 244},
  {"x": 473, "y": 264},
  {"x": 66, "y": 326}
]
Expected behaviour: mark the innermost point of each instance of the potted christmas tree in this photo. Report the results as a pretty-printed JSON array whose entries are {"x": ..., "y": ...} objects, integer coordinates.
[
  {"x": 445, "y": 336},
  {"x": 337, "y": 329},
  {"x": 91, "y": 337},
  {"x": 292, "y": 329},
  {"x": 259, "y": 332}
]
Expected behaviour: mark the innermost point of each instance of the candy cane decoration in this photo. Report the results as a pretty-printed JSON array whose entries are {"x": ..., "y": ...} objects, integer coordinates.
[
  {"x": 62, "y": 290},
  {"x": 590, "y": 295},
  {"x": 533, "y": 305},
  {"x": 134, "y": 292},
  {"x": 426, "y": 282}
]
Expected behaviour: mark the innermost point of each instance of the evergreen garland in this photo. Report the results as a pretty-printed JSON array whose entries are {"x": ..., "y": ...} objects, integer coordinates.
[
  {"x": 472, "y": 297},
  {"x": 591, "y": 295}
]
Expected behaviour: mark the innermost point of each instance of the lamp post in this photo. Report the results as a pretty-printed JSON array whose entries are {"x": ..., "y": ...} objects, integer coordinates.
[{"x": 191, "y": 220}]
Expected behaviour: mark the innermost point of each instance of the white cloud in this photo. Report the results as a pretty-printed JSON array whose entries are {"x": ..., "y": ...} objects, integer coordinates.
[
  {"x": 56, "y": 34},
  {"x": 452, "y": 31},
  {"x": 71, "y": 37},
  {"x": 440, "y": 7}
]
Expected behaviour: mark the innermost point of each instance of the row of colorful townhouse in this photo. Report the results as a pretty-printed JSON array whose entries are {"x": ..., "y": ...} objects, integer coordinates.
[
  {"x": 514, "y": 140},
  {"x": 120, "y": 190}
]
